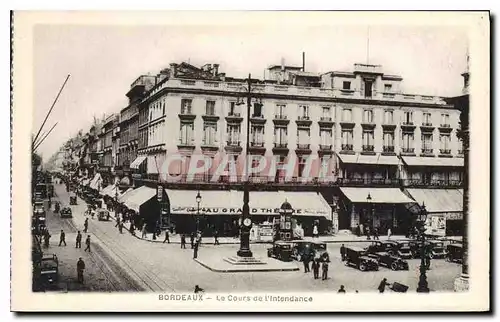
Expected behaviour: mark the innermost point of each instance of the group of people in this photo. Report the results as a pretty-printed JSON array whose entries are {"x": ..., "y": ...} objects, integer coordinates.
[
  {"x": 370, "y": 232},
  {"x": 317, "y": 263}
]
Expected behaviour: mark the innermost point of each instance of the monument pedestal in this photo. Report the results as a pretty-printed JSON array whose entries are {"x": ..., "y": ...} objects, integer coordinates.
[
  {"x": 238, "y": 260},
  {"x": 462, "y": 283}
]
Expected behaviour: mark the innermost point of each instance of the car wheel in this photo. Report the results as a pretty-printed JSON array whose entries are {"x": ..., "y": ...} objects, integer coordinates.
[
  {"x": 362, "y": 267},
  {"x": 346, "y": 263},
  {"x": 394, "y": 266},
  {"x": 431, "y": 256}
]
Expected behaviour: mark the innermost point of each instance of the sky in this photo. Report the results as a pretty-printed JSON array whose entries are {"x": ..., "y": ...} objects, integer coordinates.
[{"x": 104, "y": 60}]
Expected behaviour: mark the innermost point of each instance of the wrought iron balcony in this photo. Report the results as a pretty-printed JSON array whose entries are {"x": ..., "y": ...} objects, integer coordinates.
[
  {"x": 257, "y": 144},
  {"x": 444, "y": 151},
  {"x": 368, "y": 148},
  {"x": 325, "y": 147},
  {"x": 408, "y": 150},
  {"x": 367, "y": 181},
  {"x": 388, "y": 148},
  {"x": 426, "y": 151},
  {"x": 347, "y": 147},
  {"x": 420, "y": 183},
  {"x": 280, "y": 117},
  {"x": 326, "y": 119},
  {"x": 233, "y": 142}
]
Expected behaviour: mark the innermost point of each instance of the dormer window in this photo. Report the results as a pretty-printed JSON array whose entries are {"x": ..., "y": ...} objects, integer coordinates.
[
  {"x": 346, "y": 85},
  {"x": 388, "y": 87}
]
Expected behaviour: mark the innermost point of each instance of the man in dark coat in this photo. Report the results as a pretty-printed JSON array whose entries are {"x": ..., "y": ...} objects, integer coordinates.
[
  {"x": 375, "y": 234},
  {"x": 216, "y": 237},
  {"x": 342, "y": 252},
  {"x": 358, "y": 230},
  {"x": 315, "y": 267},
  {"x": 324, "y": 268},
  {"x": 167, "y": 237},
  {"x": 306, "y": 261},
  {"x": 79, "y": 240},
  {"x": 80, "y": 266},
  {"x": 183, "y": 241},
  {"x": 87, "y": 242},
  {"x": 195, "y": 250},
  {"x": 46, "y": 237},
  {"x": 120, "y": 227},
  {"x": 192, "y": 240},
  {"x": 86, "y": 225},
  {"x": 62, "y": 238}
]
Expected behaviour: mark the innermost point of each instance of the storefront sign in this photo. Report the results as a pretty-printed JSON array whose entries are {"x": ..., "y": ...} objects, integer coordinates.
[
  {"x": 435, "y": 225},
  {"x": 454, "y": 216},
  {"x": 136, "y": 175},
  {"x": 238, "y": 211},
  {"x": 159, "y": 193}
]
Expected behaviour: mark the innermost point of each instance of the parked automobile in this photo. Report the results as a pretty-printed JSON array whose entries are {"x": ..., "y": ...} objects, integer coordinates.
[
  {"x": 38, "y": 208},
  {"x": 378, "y": 246},
  {"x": 66, "y": 212},
  {"x": 49, "y": 270},
  {"x": 437, "y": 249},
  {"x": 281, "y": 250},
  {"x": 401, "y": 249},
  {"x": 390, "y": 261},
  {"x": 454, "y": 253},
  {"x": 102, "y": 214},
  {"x": 358, "y": 257},
  {"x": 312, "y": 249}
]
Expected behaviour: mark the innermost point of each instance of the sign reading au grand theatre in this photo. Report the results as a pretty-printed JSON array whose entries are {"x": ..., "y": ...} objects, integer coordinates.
[{"x": 253, "y": 211}]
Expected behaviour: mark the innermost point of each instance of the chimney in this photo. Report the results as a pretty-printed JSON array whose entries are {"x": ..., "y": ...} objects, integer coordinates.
[
  {"x": 282, "y": 64},
  {"x": 173, "y": 70},
  {"x": 215, "y": 69},
  {"x": 303, "y": 61}
]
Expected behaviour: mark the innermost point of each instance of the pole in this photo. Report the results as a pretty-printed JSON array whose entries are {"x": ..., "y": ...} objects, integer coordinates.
[
  {"x": 43, "y": 139},
  {"x": 422, "y": 281},
  {"x": 198, "y": 218},
  {"x": 53, "y": 104},
  {"x": 244, "y": 250}
]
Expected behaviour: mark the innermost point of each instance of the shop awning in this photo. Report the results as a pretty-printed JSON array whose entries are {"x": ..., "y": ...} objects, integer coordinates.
[
  {"x": 85, "y": 182},
  {"x": 439, "y": 200},
  {"x": 369, "y": 159},
  {"x": 109, "y": 190},
  {"x": 123, "y": 197},
  {"x": 265, "y": 203},
  {"x": 436, "y": 162},
  {"x": 94, "y": 184},
  {"x": 378, "y": 195},
  {"x": 138, "y": 197},
  {"x": 137, "y": 162}
]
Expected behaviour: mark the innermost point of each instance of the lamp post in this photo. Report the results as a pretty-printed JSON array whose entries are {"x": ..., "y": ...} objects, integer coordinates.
[
  {"x": 198, "y": 200},
  {"x": 422, "y": 282},
  {"x": 370, "y": 215},
  {"x": 246, "y": 221}
]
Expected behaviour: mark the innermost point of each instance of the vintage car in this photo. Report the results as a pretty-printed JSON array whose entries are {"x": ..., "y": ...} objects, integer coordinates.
[
  {"x": 38, "y": 208},
  {"x": 312, "y": 249},
  {"x": 401, "y": 249},
  {"x": 437, "y": 249},
  {"x": 358, "y": 257},
  {"x": 281, "y": 250},
  {"x": 66, "y": 212},
  {"x": 49, "y": 270},
  {"x": 102, "y": 214},
  {"x": 378, "y": 246},
  {"x": 390, "y": 261},
  {"x": 454, "y": 253},
  {"x": 72, "y": 199}
]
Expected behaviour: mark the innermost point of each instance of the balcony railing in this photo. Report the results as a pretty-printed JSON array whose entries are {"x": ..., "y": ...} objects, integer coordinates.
[
  {"x": 445, "y": 125},
  {"x": 326, "y": 119},
  {"x": 233, "y": 143},
  {"x": 325, "y": 147},
  {"x": 234, "y": 114},
  {"x": 428, "y": 124},
  {"x": 389, "y": 148},
  {"x": 303, "y": 146},
  {"x": 280, "y": 116},
  {"x": 444, "y": 151},
  {"x": 367, "y": 181},
  {"x": 368, "y": 148},
  {"x": 408, "y": 150},
  {"x": 257, "y": 144},
  {"x": 407, "y": 123},
  {"x": 431, "y": 183},
  {"x": 303, "y": 118},
  {"x": 347, "y": 147},
  {"x": 426, "y": 151},
  {"x": 280, "y": 145}
]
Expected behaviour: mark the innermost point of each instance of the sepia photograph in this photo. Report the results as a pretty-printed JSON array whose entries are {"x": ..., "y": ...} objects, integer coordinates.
[{"x": 250, "y": 160}]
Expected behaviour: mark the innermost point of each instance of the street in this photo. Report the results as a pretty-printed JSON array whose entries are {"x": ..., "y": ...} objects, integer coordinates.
[{"x": 122, "y": 262}]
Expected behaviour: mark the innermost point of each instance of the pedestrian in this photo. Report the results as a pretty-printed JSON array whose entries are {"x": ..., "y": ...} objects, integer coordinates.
[
  {"x": 132, "y": 228},
  {"x": 342, "y": 252},
  {"x": 306, "y": 261},
  {"x": 183, "y": 241},
  {"x": 367, "y": 229},
  {"x": 315, "y": 231},
  {"x": 118, "y": 221},
  {"x": 86, "y": 225},
  {"x": 324, "y": 268},
  {"x": 198, "y": 238},
  {"x": 382, "y": 285},
  {"x": 80, "y": 266},
  {"x": 341, "y": 289},
  {"x": 120, "y": 227},
  {"x": 358, "y": 230},
  {"x": 216, "y": 237},
  {"x": 375, "y": 234},
  {"x": 50, "y": 204},
  {"x": 167, "y": 237},
  {"x": 192, "y": 240},
  {"x": 46, "y": 238},
  {"x": 87, "y": 242},
  {"x": 144, "y": 234},
  {"x": 79, "y": 240},
  {"x": 198, "y": 289},
  {"x": 62, "y": 238},
  {"x": 427, "y": 259},
  {"x": 389, "y": 233},
  {"x": 195, "y": 250},
  {"x": 315, "y": 267}
]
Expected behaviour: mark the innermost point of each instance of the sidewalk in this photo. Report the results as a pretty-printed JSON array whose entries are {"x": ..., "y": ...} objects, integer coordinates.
[{"x": 340, "y": 238}]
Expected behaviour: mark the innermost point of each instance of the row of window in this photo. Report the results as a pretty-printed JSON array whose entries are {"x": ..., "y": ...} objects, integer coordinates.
[{"x": 280, "y": 113}]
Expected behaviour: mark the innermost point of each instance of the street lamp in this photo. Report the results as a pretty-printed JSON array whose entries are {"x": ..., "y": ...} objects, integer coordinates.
[
  {"x": 198, "y": 200},
  {"x": 370, "y": 215},
  {"x": 423, "y": 287}
]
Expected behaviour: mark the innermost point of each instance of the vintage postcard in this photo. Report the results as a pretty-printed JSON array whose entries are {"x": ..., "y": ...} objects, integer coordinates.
[{"x": 250, "y": 161}]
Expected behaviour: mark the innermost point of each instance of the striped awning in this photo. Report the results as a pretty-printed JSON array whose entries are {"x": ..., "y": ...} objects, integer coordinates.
[
  {"x": 439, "y": 200},
  {"x": 377, "y": 195}
]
